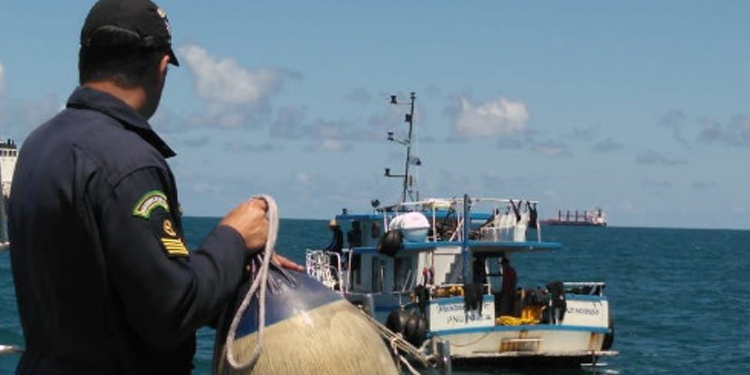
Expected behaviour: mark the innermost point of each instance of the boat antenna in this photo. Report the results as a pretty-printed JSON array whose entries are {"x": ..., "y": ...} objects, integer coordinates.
[{"x": 409, "y": 191}]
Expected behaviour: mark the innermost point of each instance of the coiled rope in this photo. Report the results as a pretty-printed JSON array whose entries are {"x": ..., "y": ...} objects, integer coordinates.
[{"x": 258, "y": 285}]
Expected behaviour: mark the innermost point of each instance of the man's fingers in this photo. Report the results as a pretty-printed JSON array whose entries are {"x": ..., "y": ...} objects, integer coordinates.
[
  {"x": 260, "y": 203},
  {"x": 287, "y": 264}
]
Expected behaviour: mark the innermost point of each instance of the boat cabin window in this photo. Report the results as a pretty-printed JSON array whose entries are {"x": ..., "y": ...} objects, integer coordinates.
[{"x": 354, "y": 236}]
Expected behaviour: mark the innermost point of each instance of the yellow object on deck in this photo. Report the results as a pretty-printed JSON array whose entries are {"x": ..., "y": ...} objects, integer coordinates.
[
  {"x": 507, "y": 320},
  {"x": 532, "y": 312}
]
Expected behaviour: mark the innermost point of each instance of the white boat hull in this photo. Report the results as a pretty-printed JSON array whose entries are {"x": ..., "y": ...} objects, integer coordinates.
[{"x": 474, "y": 336}]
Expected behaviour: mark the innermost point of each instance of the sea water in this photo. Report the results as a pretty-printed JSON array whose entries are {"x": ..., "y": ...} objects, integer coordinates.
[{"x": 680, "y": 298}]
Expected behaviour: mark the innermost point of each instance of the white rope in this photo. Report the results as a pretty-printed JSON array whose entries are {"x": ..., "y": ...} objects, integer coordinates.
[
  {"x": 408, "y": 365},
  {"x": 272, "y": 214},
  {"x": 395, "y": 341}
]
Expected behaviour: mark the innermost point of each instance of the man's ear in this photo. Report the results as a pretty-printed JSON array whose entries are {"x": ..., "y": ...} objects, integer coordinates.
[{"x": 163, "y": 66}]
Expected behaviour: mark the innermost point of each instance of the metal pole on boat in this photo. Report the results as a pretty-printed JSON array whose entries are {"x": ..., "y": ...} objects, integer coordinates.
[
  {"x": 465, "y": 239},
  {"x": 442, "y": 350},
  {"x": 408, "y": 183},
  {"x": 407, "y": 177}
]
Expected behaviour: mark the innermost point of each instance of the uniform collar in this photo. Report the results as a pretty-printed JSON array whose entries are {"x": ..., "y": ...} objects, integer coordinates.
[{"x": 85, "y": 97}]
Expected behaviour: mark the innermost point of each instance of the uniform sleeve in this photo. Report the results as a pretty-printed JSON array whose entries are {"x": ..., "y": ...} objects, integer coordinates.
[{"x": 167, "y": 292}]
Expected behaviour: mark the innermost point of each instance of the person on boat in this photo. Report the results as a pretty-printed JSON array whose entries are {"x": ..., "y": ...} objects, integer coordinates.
[
  {"x": 105, "y": 283},
  {"x": 557, "y": 304},
  {"x": 337, "y": 242},
  {"x": 336, "y": 246},
  {"x": 480, "y": 271},
  {"x": 508, "y": 291}
]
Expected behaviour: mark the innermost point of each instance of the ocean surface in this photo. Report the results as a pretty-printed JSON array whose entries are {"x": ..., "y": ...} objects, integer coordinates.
[{"x": 680, "y": 298}]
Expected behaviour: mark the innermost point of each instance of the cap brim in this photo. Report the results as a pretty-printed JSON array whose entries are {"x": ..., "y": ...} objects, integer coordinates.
[{"x": 173, "y": 58}]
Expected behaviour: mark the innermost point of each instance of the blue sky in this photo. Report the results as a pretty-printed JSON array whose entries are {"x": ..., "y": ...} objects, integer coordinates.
[{"x": 639, "y": 107}]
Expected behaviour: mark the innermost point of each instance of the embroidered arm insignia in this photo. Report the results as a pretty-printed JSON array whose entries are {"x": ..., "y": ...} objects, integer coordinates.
[{"x": 149, "y": 202}]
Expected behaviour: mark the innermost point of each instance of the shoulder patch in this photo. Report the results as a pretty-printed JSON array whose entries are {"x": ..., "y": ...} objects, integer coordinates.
[{"x": 149, "y": 202}]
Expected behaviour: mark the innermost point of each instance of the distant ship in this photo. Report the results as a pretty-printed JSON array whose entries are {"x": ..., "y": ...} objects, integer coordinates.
[{"x": 594, "y": 218}]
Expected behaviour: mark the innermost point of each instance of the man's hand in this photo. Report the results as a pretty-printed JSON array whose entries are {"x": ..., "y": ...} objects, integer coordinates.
[
  {"x": 249, "y": 219},
  {"x": 287, "y": 264}
]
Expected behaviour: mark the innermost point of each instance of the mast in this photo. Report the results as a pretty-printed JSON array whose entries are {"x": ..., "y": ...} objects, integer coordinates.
[{"x": 409, "y": 190}]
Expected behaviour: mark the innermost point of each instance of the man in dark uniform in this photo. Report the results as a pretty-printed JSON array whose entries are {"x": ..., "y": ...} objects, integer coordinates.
[{"x": 104, "y": 281}]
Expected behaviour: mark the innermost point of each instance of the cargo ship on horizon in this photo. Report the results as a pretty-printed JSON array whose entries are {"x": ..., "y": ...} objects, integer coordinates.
[{"x": 594, "y": 218}]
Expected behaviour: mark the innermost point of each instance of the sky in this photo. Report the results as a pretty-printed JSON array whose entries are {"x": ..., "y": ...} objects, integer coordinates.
[{"x": 641, "y": 108}]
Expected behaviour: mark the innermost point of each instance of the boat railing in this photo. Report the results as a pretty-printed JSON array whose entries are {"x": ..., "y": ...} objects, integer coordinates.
[
  {"x": 504, "y": 220},
  {"x": 325, "y": 266},
  {"x": 585, "y": 288}
]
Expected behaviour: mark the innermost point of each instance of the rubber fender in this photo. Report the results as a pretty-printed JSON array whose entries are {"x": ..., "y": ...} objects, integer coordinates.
[
  {"x": 391, "y": 242},
  {"x": 396, "y": 321},
  {"x": 416, "y": 329}
]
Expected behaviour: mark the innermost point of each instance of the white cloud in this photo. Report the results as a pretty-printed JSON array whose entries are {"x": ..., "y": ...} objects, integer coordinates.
[
  {"x": 735, "y": 133},
  {"x": 304, "y": 178},
  {"x": 627, "y": 207},
  {"x": 358, "y": 95},
  {"x": 551, "y": 195},
  {"x": 551, "y": 149},
  {"x": 501, "y": 117},
  {"x": 332, "y": 145},
  {"x": 230, "y": 91},
  {"x": 32, "y": 113},
  {"x": 237, "y": 146},
  {"x": 675, "y": 121},
  {"x": 651, "y": 157},
  {"x": 607, "y": 145}
]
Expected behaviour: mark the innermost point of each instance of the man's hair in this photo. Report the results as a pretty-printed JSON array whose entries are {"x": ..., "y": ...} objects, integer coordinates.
[{"x": 117, "y": 54}]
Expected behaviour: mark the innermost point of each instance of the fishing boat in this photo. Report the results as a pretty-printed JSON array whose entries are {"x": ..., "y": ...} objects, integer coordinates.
[
  {"x": 430, "y": 271},
  {"x": 585, "y": 218}
]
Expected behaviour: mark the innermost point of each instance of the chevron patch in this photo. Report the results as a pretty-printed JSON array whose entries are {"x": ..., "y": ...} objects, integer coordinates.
[{"x": 174, "y": 247}]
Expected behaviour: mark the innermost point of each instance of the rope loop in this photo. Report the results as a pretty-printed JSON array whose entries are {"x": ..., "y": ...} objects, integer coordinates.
[{"x": 259, "y": 285}]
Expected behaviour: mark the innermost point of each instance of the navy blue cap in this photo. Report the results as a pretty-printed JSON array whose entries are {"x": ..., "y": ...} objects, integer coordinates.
[{"x": 141, "y": 17}]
